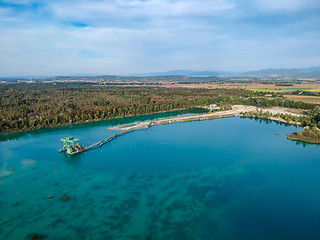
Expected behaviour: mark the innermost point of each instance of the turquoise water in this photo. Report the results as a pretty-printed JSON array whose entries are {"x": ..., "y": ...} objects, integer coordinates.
[{"x": 219, "y": 179}]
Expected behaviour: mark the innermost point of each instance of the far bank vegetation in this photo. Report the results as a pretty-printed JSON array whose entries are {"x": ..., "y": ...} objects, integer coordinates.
[
  {"x": 311, "y": 132},
  {"x": 25, "y": 107}
]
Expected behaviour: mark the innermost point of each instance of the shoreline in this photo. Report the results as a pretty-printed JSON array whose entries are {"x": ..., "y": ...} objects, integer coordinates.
[
  {"x": 93, "y": 121},
  {"x": 237, "y": 111},
  {"x": 296, "y": 137}
]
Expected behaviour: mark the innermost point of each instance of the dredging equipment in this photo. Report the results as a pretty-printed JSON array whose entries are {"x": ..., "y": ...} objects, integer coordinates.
[{"x": 71, "y": 145}]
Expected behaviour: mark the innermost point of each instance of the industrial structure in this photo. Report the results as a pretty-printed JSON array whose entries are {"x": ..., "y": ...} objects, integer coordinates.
[{"x": 71, "y": 145}]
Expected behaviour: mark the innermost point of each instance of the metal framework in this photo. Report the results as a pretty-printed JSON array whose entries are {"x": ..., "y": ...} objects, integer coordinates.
[{"x": 71, "y": 145}]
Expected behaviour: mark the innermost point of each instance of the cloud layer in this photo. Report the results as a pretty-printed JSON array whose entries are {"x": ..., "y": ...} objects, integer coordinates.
[{"x": 120, "y": 37}]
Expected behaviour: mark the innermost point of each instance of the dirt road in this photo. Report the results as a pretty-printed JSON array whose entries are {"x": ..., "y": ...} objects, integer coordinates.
[{"x": 236, "y": 111}]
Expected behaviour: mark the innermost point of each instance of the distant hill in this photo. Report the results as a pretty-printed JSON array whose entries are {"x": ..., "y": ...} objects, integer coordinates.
[
  {"x": 182, "y": 75},
  {"x": 187, "y": 73},
  {"x": 312, "y": 72}
]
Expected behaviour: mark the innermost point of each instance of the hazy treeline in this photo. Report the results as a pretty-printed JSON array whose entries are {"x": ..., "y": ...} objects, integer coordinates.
[
  {"x": 25, "y": 106},
  {"x": 306, "y": 93}
]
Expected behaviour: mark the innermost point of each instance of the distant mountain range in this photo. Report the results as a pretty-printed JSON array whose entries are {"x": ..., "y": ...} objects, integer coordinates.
[
  {"x": 312, "y": 72},
  {"x": 187, "y": 73}
]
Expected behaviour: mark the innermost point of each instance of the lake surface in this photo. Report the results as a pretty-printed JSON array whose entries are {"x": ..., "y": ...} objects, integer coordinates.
[{"x": 224, "y": 179}]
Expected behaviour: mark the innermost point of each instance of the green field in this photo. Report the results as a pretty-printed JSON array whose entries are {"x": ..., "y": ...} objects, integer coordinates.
[
  {"x": 313, "y": 90},
  {"x": 294, "y": 89},
  {"x": 285, "y": 90},
  {"x": 268, "y": 90}
]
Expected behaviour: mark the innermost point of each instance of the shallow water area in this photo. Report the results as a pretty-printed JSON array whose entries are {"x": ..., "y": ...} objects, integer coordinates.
[{"x": 219, "y": 179}]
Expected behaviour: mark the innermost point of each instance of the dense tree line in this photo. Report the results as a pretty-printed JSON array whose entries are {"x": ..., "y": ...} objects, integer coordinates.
[
  {"x": 311, "y": 135},
  {"x": 304, "y": 120},
  {"x": 314, "y": 117},
  {"x": 25, "y": 106},
  {"x": 306, "y": 93}
]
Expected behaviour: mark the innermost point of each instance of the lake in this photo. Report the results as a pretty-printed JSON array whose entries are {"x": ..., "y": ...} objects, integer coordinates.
[{"x": 234, "y": 178}]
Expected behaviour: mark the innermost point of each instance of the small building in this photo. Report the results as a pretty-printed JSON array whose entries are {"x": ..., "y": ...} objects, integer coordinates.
[{"x": 213, "y": 107}]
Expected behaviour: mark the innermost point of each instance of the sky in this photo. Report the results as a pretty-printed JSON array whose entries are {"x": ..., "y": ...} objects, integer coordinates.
[{"x": 55, "y": 37}]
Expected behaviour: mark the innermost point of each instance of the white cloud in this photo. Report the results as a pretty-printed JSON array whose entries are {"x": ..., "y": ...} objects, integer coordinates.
[
  {"x": 287, "y": 5},
  {"x": 135, "y": 8},
  {"x": 153, "y": 35},
  {"x": 19, "y": 1},
  {"x": 54, "y": 48},
  {"x": 5, "y": 15}
]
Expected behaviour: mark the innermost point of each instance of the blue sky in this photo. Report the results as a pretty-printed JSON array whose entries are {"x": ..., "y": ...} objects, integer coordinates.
[{"x": 54, "y": 37}]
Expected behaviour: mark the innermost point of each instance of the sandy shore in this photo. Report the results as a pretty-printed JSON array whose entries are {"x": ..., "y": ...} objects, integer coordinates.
[{"x": 237, "y": 110}]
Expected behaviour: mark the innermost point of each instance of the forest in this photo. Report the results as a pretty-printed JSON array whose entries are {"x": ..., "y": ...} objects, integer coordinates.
[{"x": 33, "y": 106}]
